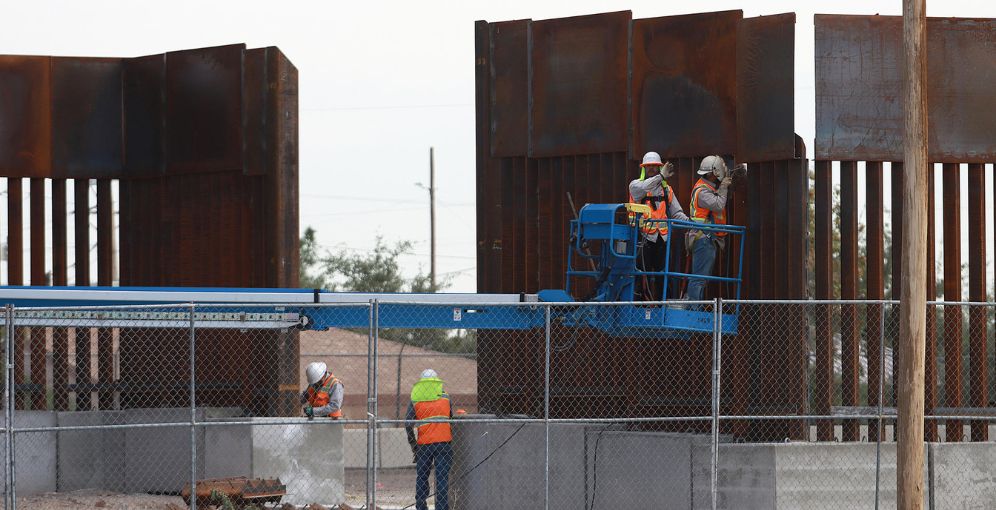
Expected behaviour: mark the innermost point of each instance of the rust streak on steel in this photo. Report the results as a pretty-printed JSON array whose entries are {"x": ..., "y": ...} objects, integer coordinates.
[
  {"x": 930, "y": 354},
  {"x": 823, "y": 377},
  {"x": 978, "y": 326},
  {"x": 858, "y": 75},
  {"x": 765, "y": 79},
  {"x": 685, "y": 66},
  {"x": 875, "y": 284},
  {"x": 849, "y": 363},
  {"x": 36, "y": 201},
  {"x": 952, "y": 292}
]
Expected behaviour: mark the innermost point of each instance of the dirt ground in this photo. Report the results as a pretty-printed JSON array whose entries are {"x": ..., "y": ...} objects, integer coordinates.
[{"x": 99, "y": 499}]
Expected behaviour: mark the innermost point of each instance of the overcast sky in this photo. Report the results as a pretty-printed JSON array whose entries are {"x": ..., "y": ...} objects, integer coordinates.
[{"x": 380, "y": 82}]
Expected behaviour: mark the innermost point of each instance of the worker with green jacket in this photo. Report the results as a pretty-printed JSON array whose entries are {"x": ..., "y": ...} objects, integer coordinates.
[{"x": 429, "y": 412}]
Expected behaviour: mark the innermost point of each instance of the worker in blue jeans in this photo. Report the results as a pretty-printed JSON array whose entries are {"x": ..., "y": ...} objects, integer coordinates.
[
  {"x": 708, "y": 205},
  {"x": 430, "y": 412}
]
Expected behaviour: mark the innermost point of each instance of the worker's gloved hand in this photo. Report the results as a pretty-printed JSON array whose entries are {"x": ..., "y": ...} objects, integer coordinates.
[
  {"x": 667, "y": 170},
  {"x": 309, "y": 412},
  {"x": 414, "y": 454},
  {"x": 727, "y": 181}
]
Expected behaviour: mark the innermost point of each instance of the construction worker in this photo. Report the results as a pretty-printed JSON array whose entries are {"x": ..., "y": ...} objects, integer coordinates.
[
  {"x": 323, "y": 397},
  {"x": 708, "y": 205},
  {"x": 652, "y": 189},
  {"x": 427, "y": 412}
]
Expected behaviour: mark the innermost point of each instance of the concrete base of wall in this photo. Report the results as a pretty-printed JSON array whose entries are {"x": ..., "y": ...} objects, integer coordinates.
[
  {"x": 308, "y": 458},
  {"x": 626, "y": 469}
]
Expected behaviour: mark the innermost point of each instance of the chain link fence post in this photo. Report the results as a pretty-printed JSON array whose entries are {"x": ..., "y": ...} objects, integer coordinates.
[
  {"x": 374, "y": 391},
  {"x": 8, "y": 399},
  {"x": 193, "y": 412},
  {"x": 717, "y": 343},
  {"x": 370, "y": 416},
  {"x": 546, "y": 411}
]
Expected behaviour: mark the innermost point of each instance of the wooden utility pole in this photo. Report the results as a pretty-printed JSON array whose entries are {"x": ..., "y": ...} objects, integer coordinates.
[{"x": 913, "y": 300}]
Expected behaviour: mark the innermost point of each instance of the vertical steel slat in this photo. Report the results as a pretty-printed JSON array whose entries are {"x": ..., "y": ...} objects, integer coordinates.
[
  {"x": 81, "y": 261},
  {"x": 875, "y": 290},
  {"x": 849, "y": 343},
  {"x": 952, "y": 292},
  {"x": 930, "y": 352},
  {"x": 37, "y": 220},
  {"x": 977, "y": 324},
  {"x": 896, "y": 285},
  {"x": 823, "y": 383},
  {"x": 105, "y": 348},
  {"x": 60, "y": 336}
]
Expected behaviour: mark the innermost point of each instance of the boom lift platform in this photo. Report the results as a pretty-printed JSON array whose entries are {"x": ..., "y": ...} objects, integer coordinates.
[{"x": 605, "y": 235}]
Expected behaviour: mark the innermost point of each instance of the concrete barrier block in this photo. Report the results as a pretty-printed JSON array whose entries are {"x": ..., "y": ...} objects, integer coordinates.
[
  {"x": 308, "y": 458},
  {"x": 34, "y": 453},
  {"x": 228, "y": 449},
  {"x": 91, "y": 459},
  {"x": 964, "y": 475},
  {"x": 354, "y": 448}
]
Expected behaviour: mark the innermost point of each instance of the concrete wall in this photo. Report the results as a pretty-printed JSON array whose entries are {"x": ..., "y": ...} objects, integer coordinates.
[
  {"x": 34, "y": 453},
  {"x": 664, "y": 470},
  {"x": 393, "y": 449}
]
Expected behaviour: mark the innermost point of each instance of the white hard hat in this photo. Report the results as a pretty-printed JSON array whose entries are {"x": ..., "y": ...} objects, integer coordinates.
[
  {"x": 429, "y": 374},
  {"x": 713, "y": 165},
  {"x": 652, "y": 158},
  {"x": 315, "y": 371}
]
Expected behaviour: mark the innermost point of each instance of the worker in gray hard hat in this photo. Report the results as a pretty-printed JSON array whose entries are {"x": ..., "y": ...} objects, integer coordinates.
[
  {"x": 323, "y": 397},
  {"x": 707, "y": 205},
  {"x": 652, "y": 190}
]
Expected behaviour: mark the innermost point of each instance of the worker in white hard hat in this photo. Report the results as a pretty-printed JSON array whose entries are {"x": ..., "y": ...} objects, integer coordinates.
[
  {"x": 323, "y": 397},
  {"x": 707, "y": 205},
  {"x": 652, "y": 190},
  {"x": 429, "y": 412}
]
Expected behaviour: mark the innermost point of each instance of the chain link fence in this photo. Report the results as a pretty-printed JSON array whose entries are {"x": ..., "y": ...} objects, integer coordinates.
[{"x": 734, "y": 404}]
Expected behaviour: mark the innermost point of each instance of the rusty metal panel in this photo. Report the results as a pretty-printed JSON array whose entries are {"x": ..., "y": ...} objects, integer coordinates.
[
  {"x": 256, "y": 94},
  {"x": 86, "y": 117},
  {"x": 823, "y": 377},
  {"x": 859, "y": 88},
  {"x": 570, "y": 112},
  {"x": 15, "y": 231},
  {"x": 765, "y": 96},
  {"x": 509, "y": 89},
  {"x": 684, "y": 84},
  {"x": 25, "y": 116},
  {"x": 143, "y": 82},
  {"x": 204, "y": 110}
]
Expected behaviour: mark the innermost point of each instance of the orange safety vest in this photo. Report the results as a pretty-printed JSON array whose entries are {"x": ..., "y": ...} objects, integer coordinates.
[
  {"x": 655, "y": 213},
  {"x": 430, "y": 433},
  {"x": 702, "y": 214},
  {"x": 321, "y": 398}
]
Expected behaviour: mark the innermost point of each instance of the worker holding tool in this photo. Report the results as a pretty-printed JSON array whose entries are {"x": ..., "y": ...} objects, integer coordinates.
[
  {"x": 708, "y": 205},
  {"x": 323, "y": 397},
  {"x": 430, "y": 412},
  {"x": 652, "y": 189}
]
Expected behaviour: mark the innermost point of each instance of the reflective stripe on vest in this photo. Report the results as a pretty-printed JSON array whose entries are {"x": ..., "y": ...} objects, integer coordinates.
[
  {"x": 655, "y": 213},
  {"x": 702, "y": 214},
  {"x": 323, "y": 395},
  {"x": 433, "y": 432}
]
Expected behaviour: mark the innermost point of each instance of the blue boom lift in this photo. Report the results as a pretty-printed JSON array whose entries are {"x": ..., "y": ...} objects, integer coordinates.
[{"x": 604, "y": 235}]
